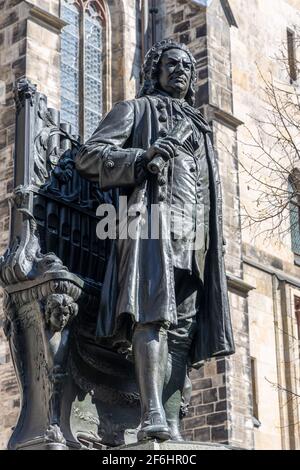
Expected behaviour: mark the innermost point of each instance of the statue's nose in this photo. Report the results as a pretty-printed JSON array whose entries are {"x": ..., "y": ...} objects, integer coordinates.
[{"x": 179, "y": 66}]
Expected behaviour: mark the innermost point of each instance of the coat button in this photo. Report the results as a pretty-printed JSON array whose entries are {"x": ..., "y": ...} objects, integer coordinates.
[
  {"x": 163, "y": 133},
  {"x": 161, "y": 181},
  {"x": 109, "y": 164},
  {"x": 161, "y": 197},
  {"x": 192, "y": 169},
  {"x": 163, "y": 118}
]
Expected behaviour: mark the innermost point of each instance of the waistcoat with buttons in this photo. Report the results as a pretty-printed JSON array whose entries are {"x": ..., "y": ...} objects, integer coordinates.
[{"x": 190, "y": 199}]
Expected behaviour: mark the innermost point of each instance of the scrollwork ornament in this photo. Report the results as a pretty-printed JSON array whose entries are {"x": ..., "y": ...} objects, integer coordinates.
[
  {"x": 44, "y": 165},
  {"x": 54, "y": 434},
  {"x": 20, "y": 196},
  {"x": 9, "y": 315},
  {"x": 24, "y": 260},
  {"x": 24, "y": 90}
]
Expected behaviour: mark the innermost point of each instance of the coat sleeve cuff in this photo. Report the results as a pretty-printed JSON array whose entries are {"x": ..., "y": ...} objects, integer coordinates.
[{"x": 118, "y": 168}]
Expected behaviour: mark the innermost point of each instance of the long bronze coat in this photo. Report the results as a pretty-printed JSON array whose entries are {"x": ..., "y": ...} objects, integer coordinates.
[{"x": 139, "y": 280}]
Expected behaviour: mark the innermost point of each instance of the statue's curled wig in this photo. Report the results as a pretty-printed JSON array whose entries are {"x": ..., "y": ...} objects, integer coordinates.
[{"x": 150, "y": 69}]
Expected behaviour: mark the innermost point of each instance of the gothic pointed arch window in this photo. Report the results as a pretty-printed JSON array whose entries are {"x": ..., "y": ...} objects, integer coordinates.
[{"x": 83, "y": 64}]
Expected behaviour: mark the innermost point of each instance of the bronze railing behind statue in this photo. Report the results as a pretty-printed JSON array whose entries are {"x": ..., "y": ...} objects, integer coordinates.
[{"x": 75, "y": 391}]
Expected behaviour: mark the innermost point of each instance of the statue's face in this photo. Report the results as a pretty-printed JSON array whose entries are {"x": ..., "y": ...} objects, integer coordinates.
[{"x": 175, "y": 72}]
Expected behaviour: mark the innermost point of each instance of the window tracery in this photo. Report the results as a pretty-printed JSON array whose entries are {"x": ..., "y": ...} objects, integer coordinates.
[{"x": 82, "y": 64}]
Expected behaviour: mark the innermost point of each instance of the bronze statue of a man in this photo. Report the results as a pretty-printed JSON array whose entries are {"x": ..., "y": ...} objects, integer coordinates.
[{"x": 165, "y": 298}]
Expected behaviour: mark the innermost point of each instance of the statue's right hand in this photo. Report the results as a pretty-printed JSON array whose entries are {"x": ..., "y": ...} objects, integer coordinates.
[{"x": 164, "y": 146}]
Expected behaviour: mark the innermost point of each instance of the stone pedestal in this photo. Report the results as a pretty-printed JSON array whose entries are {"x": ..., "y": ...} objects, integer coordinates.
[{"x": 173, "y": 445}]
